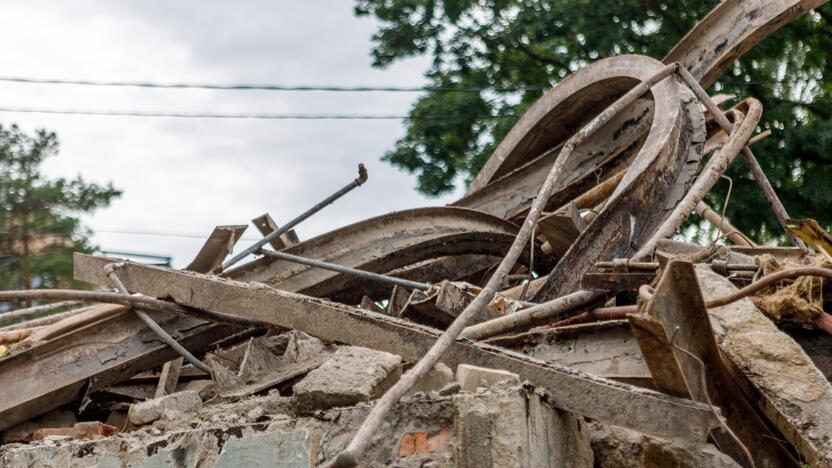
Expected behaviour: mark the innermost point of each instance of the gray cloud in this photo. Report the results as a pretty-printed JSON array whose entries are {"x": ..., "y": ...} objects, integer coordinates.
[{"x": 188, "y": 175}]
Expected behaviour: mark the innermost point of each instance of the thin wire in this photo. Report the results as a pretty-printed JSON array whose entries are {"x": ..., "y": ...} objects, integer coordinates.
[
  {"x": 270, "y": 87},
  {"x": 322, "y": 88},
  {"x": 264, "y": 116}
]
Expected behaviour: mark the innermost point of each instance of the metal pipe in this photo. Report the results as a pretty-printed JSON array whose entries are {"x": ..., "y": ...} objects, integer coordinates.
[
  {"x": 346, "y": 270},
  {"x": 111, "y": 273},
  {"x": 747, "y": 155},
  {"x": 651, "y": 266},
  {"x": 723, "y": 225},
  {"x": 527, "y": 318},
  {"x": 362, "y": 177}
]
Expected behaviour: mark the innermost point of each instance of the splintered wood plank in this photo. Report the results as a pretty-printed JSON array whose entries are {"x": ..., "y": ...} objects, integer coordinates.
[
  {"x": 560, "y": 232},
  {"x": 92, "y": 358},
  {"x": 369, "y": 304},
  {"x": 398, "y": 301},
  {"x": 605, "y": 400}
]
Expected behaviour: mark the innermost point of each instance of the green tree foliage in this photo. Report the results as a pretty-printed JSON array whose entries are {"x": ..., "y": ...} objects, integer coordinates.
[
  {"x": 39, "y": 229},
  {"x": 518, "y": 48}
]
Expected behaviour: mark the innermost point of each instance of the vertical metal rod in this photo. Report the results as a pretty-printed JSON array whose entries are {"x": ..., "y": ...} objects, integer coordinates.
[
  {"x": 747, "y": 155},
  {"x": 362, "y": 177},
  {"x": 346, "y": 270},
  {"x": 110, "y": 270}
]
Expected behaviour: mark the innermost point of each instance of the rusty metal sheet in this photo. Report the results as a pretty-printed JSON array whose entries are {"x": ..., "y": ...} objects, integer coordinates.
[
  {"x": 509, "y": 195},
  {"x": 730, "y": 30},
  {"x": 266, "y": 225},
  {"x": 678, "y": 311},
  {"x": 643, "y": 410},
  {"x": 383, "y": 244},
  {"x": 658, "y": 355},
  {"x": 649, "y": 190},
  {"x": 219, "y": 244}
]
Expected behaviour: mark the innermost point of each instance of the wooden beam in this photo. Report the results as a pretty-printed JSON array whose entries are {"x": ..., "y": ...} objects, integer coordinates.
[{"x": 620, "y": 404}]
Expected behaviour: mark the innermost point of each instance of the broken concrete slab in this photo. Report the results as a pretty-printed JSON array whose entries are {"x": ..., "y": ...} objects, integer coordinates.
[
  {"x": 272, "y": 450},
  {"x": 470, "y": 378},
  {"x": 351, "y": 375},
  {"x": 518, "y": 428},
  {"x": 616, "y": 447},
  {"x": 151, "y": 410}
]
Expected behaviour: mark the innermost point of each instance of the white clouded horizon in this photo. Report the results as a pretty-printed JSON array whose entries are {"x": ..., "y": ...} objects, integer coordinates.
[{"x": 188, "y": 175}]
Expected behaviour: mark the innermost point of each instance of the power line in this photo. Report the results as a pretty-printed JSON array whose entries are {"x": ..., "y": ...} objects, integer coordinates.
[
  {"x": 321, "y": 88},
  {"x": 264, "y": 116},
  {"x": 270, "y": 87}
]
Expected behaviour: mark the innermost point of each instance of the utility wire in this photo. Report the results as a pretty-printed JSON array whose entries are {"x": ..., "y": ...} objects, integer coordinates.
[
  {"x": 322, "y": 88},
  {"x": 270, "y": 87},
  {"x": 265, "y": 116}
]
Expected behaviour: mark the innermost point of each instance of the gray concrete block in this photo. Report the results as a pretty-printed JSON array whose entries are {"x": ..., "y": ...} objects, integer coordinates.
[
  {"x": 472, "y": 377},
  {"x": 350, "y": 376},
  {"x": 151, "y": 410},
  {"x": 272, "y": 450}
]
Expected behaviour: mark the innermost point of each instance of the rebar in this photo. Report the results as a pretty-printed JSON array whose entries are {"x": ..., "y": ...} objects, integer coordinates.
[
  {"x": 346, "y": 270},
  {"x": 362, "y": 177},
  {"x": 110, "y": 270}
]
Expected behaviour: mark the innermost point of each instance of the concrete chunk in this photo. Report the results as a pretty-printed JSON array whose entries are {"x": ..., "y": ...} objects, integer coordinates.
[
  {"x": 437, "y": 379},
  {"x": 350, "y": 376},
  {"x": 472, "y": 377},
  {"x": 151, "y": 410}
]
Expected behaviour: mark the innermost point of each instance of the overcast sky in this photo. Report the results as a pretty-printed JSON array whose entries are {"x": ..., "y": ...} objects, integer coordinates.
[{"x": 188, "y": 175}]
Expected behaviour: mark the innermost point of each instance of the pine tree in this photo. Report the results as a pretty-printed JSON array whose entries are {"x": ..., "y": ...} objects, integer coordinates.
[{"x": 39, "y": 227}]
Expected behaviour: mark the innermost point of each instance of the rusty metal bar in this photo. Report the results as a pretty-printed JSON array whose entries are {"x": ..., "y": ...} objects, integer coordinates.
[
  {"x": 29, "y": 311},
  {"x": 160, "y": 332},
  {"x": 747, "y": 155},
  {"x": 725, "y": 227},
  {"x": 362, "y": 177},
  {"x": 346, "y": 270},
  {"x": 527, "y": 318}
]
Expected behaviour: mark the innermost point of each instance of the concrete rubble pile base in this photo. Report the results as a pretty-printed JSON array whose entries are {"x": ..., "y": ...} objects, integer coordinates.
[{"x": 502, "y": 426}]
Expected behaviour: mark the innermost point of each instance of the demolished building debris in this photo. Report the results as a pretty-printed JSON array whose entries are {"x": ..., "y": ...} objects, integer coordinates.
[{"x": 543, "y": 320}]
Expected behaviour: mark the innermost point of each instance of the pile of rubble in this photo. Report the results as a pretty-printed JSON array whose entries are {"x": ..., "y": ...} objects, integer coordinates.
[{"x": 544, "y": 319}]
